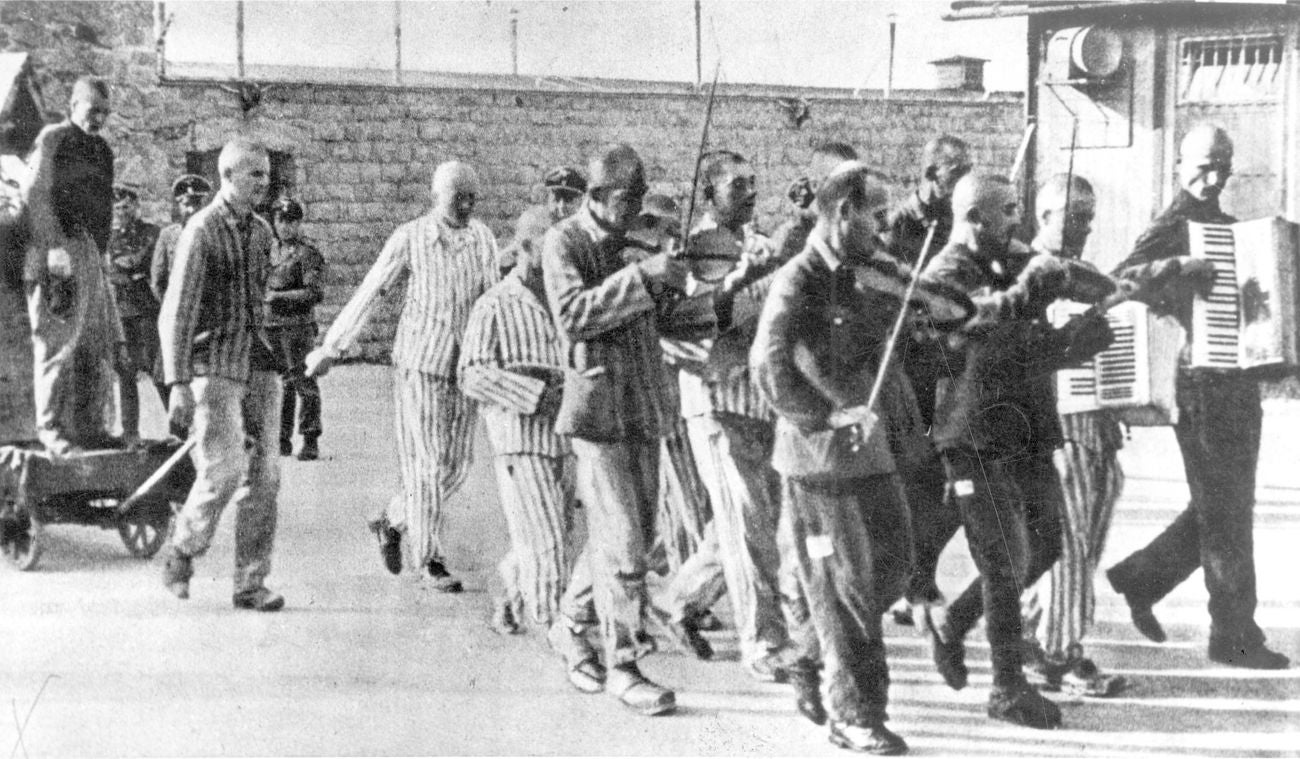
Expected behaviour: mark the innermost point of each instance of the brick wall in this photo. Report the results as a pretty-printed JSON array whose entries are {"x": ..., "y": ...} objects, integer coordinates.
[{"x": 363, "y": 156}]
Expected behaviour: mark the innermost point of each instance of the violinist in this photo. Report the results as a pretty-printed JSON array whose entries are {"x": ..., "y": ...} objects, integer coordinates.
[
  {"x": 617, "y": 404},
  {"x": 730, "y": 428}
]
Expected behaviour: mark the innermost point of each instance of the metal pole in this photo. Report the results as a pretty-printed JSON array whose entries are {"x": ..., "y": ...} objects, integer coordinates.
[
  {"x": 160, "y": 37},
  {"x": 239, "y": 38},
  {"x": 889, "y": 81},
  {"x": 397, "y": 42},
  {"x": 699, "y": 62},
  {"x": 514, "y": 41}
]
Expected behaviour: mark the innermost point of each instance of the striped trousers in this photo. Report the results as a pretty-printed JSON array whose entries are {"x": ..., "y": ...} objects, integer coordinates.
[
  {"x": 434, "y": 425},
  {"x": 684, "y": 508},
  {"x": 537, "y": 499},
  {"x": 1062, "y": 604},
  {"x": 734, "y": 458}
]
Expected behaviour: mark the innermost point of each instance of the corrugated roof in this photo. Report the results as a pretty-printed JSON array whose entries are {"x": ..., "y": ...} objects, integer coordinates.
[{"x": 962, "y": 10}]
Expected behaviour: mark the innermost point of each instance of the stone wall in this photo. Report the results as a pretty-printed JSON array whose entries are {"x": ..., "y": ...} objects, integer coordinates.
[{"x": 363, "y": 156}]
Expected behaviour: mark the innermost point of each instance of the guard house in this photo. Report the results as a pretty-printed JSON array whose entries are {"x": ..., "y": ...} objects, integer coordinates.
[{"x": 1115, "y": 85}]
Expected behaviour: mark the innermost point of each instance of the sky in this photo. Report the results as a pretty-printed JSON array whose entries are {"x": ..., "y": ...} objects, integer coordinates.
[{"x": 832, "y": 43}]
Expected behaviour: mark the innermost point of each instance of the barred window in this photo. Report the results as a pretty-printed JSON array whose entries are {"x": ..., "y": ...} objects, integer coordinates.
[{"x": 1230, "y": 69}]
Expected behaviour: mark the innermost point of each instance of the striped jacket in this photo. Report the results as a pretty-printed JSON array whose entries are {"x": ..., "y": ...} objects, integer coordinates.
[
  {"x": 618, "y": 387},
  {"x": 445, "y": 270},
  {"x": 509, "y": 354},
  {"x": 734, "y": 392},
  {"x": 211, "y": 314}
]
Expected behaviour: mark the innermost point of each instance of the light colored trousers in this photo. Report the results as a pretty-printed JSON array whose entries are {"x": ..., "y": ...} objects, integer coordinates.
[
  {"x": 617, "y": 484},
  {"x": 537, "y": 500},
  {"x": 237, "y": 462},
  {"x": 684, "y": 509},
  {"x": 434, "y": 424},
  {"x": 740, "y": 555}
]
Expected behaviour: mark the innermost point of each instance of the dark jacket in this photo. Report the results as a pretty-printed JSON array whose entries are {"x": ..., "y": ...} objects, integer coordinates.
[
  {"x": 816, "y": 351},
  {"x": 1002, "y": 398},
  {"x": 130, "y": 256}
]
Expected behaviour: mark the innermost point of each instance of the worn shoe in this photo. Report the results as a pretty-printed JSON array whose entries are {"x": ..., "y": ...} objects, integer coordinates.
[
  {"x": 309, "y": 451},
  {"x": 867, "y": 739},
  {"x": 1257, "y": 656},
  {"x": 286, "y": 447},
  {"x": 504, "y": 621},
  {"x": 1020, "y": 704},
  {"x": 258, "y": 599},
  {"x": 639, "y": 693},
  {"x": 443, "y": 581},
  {"x": 1139, "y": 611},
  {"x": 582, "y": 666},
  {"x": 390, "y": 544},
  {"x": 767, "y": 668},
  {"x": 177, "y": 571},
  {"x": 683, "y": 632},
  {"x": 808, "y": 695},
  {"x": 949, "y": 654}
]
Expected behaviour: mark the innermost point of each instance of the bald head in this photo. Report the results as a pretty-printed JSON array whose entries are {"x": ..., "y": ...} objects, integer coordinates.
[
  {"x": 616, "y": 188},
  {"x": 1204, "y": 161},
  {"x": 1060, "y": 230},
  {"x": 245, "y": 169},
  {"x": 89, "y": 106},
  {"x": 945, "y": 160},
  {"x": 455, "y": 189},
  {"x": 986, "y": 205}
]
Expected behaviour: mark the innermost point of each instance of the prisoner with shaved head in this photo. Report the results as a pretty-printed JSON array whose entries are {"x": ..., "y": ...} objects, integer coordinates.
[
  {"x": 1218, "y": 431},
  {"x": 844, "y": 523},
  {"x": 76, "y": 332},
  {"x": 996, "y": 429},
  {"x": 224, "y": 385},
  {"x": 617, "y": 405},
  {"x": 447, "y": 259}
]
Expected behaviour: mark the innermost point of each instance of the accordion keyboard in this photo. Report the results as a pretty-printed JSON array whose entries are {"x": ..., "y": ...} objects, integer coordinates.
[{"x": 1216, "y": 318}]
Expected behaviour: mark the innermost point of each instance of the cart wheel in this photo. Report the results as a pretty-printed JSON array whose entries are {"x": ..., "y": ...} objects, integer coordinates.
[
  {"x": 20, "y": 538},
  {"x": 145, "y": 529}
]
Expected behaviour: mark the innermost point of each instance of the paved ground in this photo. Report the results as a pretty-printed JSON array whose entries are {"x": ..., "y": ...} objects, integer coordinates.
[{"x": 97, "y": 660}]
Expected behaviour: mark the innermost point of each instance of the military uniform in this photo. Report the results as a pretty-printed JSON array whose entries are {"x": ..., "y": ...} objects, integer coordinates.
[
  {"x": 293, "y": 288},
  {"x": 129, "y": 260}
]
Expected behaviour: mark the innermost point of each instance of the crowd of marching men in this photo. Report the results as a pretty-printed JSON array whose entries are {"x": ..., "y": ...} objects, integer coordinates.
[{"x": 800, "y": 421}]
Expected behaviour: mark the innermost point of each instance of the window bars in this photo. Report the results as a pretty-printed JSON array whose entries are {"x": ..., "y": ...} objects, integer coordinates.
[{"x": 1232, "y": 69}]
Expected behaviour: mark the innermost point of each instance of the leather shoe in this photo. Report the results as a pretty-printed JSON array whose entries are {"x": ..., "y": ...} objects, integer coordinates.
[
  {"x": 310, "y": 451},
  {"x": 177, "y": 571},
  {"x": 767, "y": 668},
  {"x": 1139, "y": 611},
  {"x": 582, "y": 667},
  {"x": 867, "y": 739},
  {"x": 1020, "y": 704},
  {"x": 949, "y": 654},
  {"x": 808, "y": 695},
  {"x": 258, "y": 599},
  {"x": 443, "y": 581},
  {"x": 286, "y": 447},
  {"x": 684, "y": 633},
  {"x": 1257, "y": 656},
  {"x": 639, "y": 693},
  {"x": 504, "y": 620},
  {"x": 390, "y": 544}
]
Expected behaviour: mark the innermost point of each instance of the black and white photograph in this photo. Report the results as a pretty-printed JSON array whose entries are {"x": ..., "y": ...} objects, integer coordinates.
[{"x": 649, "y": 378}]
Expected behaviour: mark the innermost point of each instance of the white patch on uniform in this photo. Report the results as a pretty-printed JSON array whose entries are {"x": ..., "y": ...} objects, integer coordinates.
[
  {"x": 819, "y": 546},
  {"x": 963, "y": 488}
]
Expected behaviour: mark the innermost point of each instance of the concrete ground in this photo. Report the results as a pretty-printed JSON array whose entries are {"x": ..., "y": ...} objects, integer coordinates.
[{"x": 96, "y": 659}]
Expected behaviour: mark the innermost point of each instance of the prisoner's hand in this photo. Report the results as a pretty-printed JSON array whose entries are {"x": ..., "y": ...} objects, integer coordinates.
[
  {"x": 665, "y": 270},
  {"x": 180, "y": 406},
  {"x": 318, "y": 363}
]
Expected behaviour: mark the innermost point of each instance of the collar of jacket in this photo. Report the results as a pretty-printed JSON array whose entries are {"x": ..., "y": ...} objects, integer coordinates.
[{"x": 824, "y": 250}]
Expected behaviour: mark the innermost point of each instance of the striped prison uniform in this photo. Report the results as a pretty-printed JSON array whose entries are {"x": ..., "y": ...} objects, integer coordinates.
[
  {"x": 1060, "y": 607},
  {"x": 730, "y": 428},
  {"x": 212, "y": 337},
  {"x": 606, "y": 316},
  {"x": 445, "y": 270},
  {"x": 510, "y": 358}
]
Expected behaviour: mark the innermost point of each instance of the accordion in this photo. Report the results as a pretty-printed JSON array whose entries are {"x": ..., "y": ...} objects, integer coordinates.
[
  {"x": 1248, "y": 319},
  {"x": 1134, "y": 376}
]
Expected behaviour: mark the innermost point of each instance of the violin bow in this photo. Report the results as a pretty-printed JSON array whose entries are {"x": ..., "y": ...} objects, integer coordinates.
[{"x": 699, "y": 157}]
